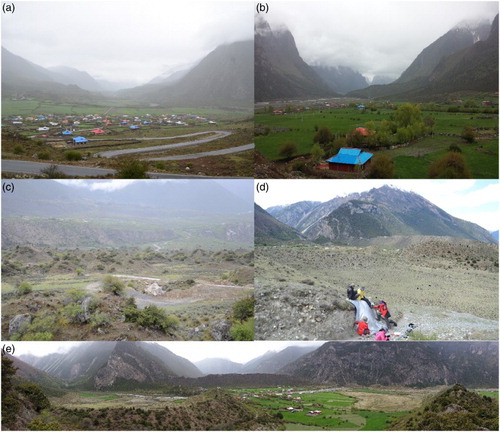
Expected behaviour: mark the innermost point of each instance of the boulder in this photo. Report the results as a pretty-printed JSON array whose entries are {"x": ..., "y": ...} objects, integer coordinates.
[
  {"x": 154, "y": 289},
  {"x": 19, "y": 323}
]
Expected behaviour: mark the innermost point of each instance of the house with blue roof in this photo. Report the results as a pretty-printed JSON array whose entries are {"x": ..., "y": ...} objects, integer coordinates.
[
  {"x": 80, "y": 140},
  {"x": 349, "y": 160},
  {"x": 67, "y": 132}
]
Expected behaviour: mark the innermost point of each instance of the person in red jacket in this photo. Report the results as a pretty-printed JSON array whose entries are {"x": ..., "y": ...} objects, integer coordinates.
[
  {"x": 362, "y": 326},
  {"x": 383, "y": 312}
]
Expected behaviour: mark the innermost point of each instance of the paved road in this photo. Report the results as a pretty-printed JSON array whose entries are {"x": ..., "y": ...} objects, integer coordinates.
[
  {"x": 208, "y": 153},
  {"x": 28, "y": 167},
  {"x": 218, "y": 135}
]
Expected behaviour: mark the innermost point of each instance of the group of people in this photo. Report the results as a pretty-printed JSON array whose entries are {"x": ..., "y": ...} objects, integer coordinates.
[{"x": 382, "y": 313}]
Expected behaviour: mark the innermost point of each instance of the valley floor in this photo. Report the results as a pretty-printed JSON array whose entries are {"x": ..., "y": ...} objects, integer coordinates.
[{"x": 450, "y": 291}]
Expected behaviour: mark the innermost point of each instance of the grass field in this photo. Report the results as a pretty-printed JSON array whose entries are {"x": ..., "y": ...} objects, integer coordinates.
[
  {"x": 335, "y": 410},
  {"x": 109, "y": 106},
  {"x": 412, "y": 161}
]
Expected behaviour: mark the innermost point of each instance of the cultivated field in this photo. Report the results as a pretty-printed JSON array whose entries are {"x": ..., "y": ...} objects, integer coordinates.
[
  {"x": 449, "y": 289},
  {"x": 178, "y": 141},
  {"x": 410, "y": 161}
]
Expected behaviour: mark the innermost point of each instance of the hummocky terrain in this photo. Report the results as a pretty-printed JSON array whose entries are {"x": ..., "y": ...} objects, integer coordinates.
[
  {"x": 149, "y": 261},
  {"x": 432, "y": 269},
  {"x": 126, "y": 385}
]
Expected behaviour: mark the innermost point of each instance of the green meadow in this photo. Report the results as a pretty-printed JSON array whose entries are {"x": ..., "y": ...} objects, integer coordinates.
[{"x": 412, "y": 161}]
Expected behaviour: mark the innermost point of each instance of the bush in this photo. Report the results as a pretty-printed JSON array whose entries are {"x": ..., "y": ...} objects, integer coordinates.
[
  {"x": 468, "y": 134},
  {"x": 35, "y": 394},
  {"x": 450, "y": 166},
  {"x": 113, "y": 285},
  {"x": 24, "y": 288},
  {"x": 156, "y": 318},
  {"x": 133, "y": 169},
  {"x": 73, "y": 155},
  {"x": 243, "y": 331},
  {"x": 99, "y": 319},
  {"x": 44, "y": 155},
  {"x": 382, "y": 166},
  {"x": 244, "y": 309},
  {"x": 287, "y": 149}
]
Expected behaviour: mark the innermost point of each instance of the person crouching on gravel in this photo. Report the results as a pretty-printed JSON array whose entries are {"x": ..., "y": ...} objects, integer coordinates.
[
  {"x": 351, "y": 292},
  {"x": 383, "y": 312},
  {"x": 382, "y": 335},
  {"x": 362, "y": 326}
]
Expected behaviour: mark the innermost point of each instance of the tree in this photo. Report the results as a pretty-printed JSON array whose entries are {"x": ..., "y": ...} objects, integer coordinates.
[
  {"x": 244, "y": 309},
  {"x": 469, "y": 134},
  {"x": 323, "y": 137},
  {"x": 450, "y": 166},
  {"x": 317, "y": 152},
  {"x": 382, "y": 166},
  {"x": 288, "y": 149},
  {"x": 408, "y": 114}
]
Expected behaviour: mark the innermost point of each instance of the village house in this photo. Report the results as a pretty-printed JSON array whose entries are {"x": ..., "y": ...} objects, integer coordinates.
[{"x": 349, "y": 160}]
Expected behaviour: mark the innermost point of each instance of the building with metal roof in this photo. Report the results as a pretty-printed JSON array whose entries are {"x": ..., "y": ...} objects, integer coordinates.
[{"x": 349, "y": 159}]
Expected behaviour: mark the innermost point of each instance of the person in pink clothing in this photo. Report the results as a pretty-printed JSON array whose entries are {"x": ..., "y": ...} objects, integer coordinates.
[{"x": 381, "y": 335}]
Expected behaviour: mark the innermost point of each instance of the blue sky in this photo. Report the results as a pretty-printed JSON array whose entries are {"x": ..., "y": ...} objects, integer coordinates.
[{"x": 472, "y": 200}]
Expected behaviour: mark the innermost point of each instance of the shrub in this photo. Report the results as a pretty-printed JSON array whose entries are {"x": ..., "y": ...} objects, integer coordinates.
[
  {"x": 287, "y": 149},
  {"x": 24, "y": 288},
  {"x": 244, "y": 309},
  {"x": 450, "y": 166},
  {"x": 243, "y": 331},
  {"x": 156, "y": 318},
  {"x": 133, "y": 169},
  {"x": 35, "y": 394},
  {"x": 73, "y": 155},
  {"x": 113, "y": 285},
  {"x": 99, "y": 319},
  {"x": 44, "y": 155}
]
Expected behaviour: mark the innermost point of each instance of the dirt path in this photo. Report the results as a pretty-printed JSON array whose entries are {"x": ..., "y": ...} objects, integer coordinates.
[{"x": 199, "y": 292}]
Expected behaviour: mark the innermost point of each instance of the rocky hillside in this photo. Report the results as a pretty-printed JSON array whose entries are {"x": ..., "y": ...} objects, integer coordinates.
[
  {"x": 463, "y": 59},
  {"x": 47, "y": 213},
  {"x": 455, "y": 408},
  {"x": 104, "y": 365},
  {"x": 268, "y": 230},
  {"x": 341, "y": 79},
  {"x": 224, "y": 78},
  {"x": 385, "y": 211},
  {"x": 419, "y": 364},
  {"x": 280, "y": 71}
]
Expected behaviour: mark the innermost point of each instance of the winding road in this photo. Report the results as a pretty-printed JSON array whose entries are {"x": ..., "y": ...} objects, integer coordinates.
[{"x": 160, "y": 148}]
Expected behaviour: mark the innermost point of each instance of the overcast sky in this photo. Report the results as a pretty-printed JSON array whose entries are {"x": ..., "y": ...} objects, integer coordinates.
[
  {"x": 373, "y": 37},
  {"x": 239, "y": 352},
  {"x": 124, "y": 41},
  {"x": 472, "y": 200}
]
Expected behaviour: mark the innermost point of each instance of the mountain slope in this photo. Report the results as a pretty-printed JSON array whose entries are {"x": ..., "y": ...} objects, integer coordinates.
[
  {"x": 280, "y": 72},
  {"x": 463, "y": 59},
  {"x": 117, "y": 365},
  {"x": 269, "y": 230},
  {"x": 224, "y": 78},
  {"x": 341, "y": 79},
  {"x": 20, "y": 76},
  {"x": 68, "y": 75},
  {"x": 474, "y": 68},
  {"x": 272, "y": 362},
  {"x": 385, "y": 211},
  {"x": 404, "y": 363},
  {"x": 455, "y": 408}
]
